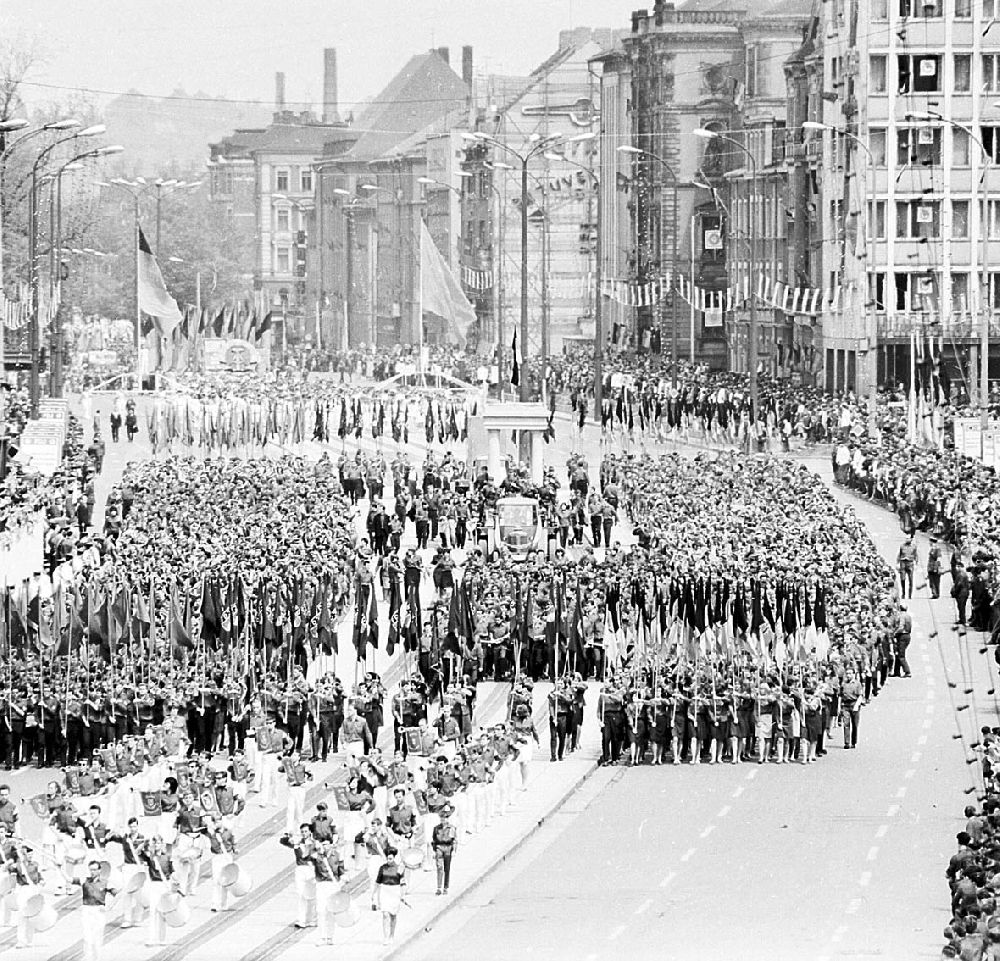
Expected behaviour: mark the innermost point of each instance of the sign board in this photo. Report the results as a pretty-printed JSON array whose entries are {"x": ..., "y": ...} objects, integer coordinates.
[
  {"x": 101, "y": 358},
  {"x": 239, "y": 356},
  {"x": 713, "y": 239},
  {"x": 971, "y": 441}
]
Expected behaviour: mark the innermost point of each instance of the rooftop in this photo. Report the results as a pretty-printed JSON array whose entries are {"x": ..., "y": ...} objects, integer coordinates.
[
  {"x": 306, "y": 138},
  {"x": 424, "y": 93}
]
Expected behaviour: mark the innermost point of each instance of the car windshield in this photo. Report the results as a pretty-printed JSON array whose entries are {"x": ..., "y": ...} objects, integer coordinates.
[{"x": 521, "y": 516}]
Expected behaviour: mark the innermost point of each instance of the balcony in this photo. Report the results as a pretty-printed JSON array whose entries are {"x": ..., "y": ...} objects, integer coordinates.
[{"x": 957, "y": 326}]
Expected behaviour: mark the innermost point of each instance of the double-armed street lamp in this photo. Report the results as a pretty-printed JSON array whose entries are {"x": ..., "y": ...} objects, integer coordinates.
[
  {"x": 751, "y": 265},
  {"x": 537, "y": 145},
  {"x": 34, "y": 334},
  {"x": 639, "y": 152}
]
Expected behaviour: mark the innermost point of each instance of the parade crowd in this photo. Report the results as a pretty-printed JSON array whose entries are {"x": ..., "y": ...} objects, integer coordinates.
[{"x": 178, "y": 662}]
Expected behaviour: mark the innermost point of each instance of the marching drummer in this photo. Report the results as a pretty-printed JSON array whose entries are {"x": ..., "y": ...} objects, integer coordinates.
[
  {"x": 133, "y": 873},
  {"x": 305, "y": 880},
  {"x": 296, "y": 774},
  {"x": 91, "y": 830},
  {"x": 157, "y": 863},
  {"x": 223, "y": 845},
  {"x": 328, "y": 869},
  {"x": 27, "y": 879},
  {"x": 94, "y": 914},
  {"x": 401, "y": 819}
]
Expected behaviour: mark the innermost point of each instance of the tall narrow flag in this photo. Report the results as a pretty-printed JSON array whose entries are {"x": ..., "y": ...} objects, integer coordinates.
[
  {"x": 515, "y": 371},
  {"x": 440, "y": 293},
  {"x": 153, "y": 296}
]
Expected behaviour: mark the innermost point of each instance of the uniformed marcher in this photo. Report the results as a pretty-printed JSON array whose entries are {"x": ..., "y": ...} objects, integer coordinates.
[
  {"x": 444, "y": 842},
  {"x": 93, "y": 914}
]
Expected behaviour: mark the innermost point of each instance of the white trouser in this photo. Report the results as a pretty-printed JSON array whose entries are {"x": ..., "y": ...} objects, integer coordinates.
[
  {"x": 157, "y": 924},
  {"x": 296, "y": 809},
  {"x": 380, "y": 795},
  {"x": 502, "y": 785},
  {"x": 305, "y": 888},
  {"x": 325, "y": 890},
  {"x": 94, "y": 917},
  {"x": 187, "y": 863},
  {"x": 220, "y": 893},
  {"x": 267, "y": 778},
  {"x": 477, "y": 799},
  {"x": 463, "y": 811}
]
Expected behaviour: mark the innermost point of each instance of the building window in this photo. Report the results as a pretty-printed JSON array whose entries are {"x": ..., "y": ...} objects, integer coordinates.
[
  {"x": 918, "y": 218},
  {"x": 282, "y": 224},
  {"x": 306, "y": 180},
  {"x": 960, "y": 219},
  {"x": 876, "y": 224},
  {"x": 959, "y": 148},
  {"x": 920, "y": 8},
  {"x": 963, "y": 9},
  {"x": 960, "y": 292},
  {"x": 914, "y": 291},
  {"x": 281, "y": 181},
  {"x": 283, "y": 260},
  {"x": 877, "y": 72},
  {"x": 223, "y": 181},
  {"x": 990, "y": 136},
  {"x": 989, "y": 9},
  {"x": 876, "y": 145},
  {"x": 990, "y": 63},
  {"x": 751, "y": 67},
  {"x": 993, "y": 289},
  {"x": 993, "y": 220},
  {"x": 876, "y": 290},
  {"x": 880, "y": 9},
  {"x": 963, "y": 73},
  {"x": 919, "y": 73},
  {"x": 918, "y": 145}
]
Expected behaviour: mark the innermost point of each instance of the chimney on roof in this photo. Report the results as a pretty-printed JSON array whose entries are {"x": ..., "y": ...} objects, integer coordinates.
[
  {"x": 443, "y": 53},
  {"x": 330, "y": 111},
  {"x": 467, "y": 66},
  {"x": 279, "y": 92}
]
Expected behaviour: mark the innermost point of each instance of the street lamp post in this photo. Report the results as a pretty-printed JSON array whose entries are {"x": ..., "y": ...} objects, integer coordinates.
[
  {"x": 56, "y": 261},
  {"x": 869, "y": 256},
  {"x": 129, "y": 187},
  {"x": 598, "y": 306},
  {"x": 539, "y": 145},
  {"x": 984, "y": 281},
  {"x": 34, "y": 334},
  {"x": 673, "y": 255},
  {"x": 751, "y": 268},
  {"x": 169, "y": 186}
]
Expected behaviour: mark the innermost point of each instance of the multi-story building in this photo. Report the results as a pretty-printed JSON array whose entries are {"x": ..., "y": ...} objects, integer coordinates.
[
  {"x": 371, "y": 202},
  {"x": 560, "y": 97},
  {"x": 921, "y": 77},
  {"x": 265, "y": 179},
  {"x": 705, "y": 65},
  {"x": 614, "y": 172}
]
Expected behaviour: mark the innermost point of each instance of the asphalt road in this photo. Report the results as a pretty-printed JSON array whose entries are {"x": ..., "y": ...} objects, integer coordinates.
[{"x": 842, "y": 859}]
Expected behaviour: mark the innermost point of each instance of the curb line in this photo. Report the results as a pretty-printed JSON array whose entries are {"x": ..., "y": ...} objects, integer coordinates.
[{"x": 396, "y": 949}]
